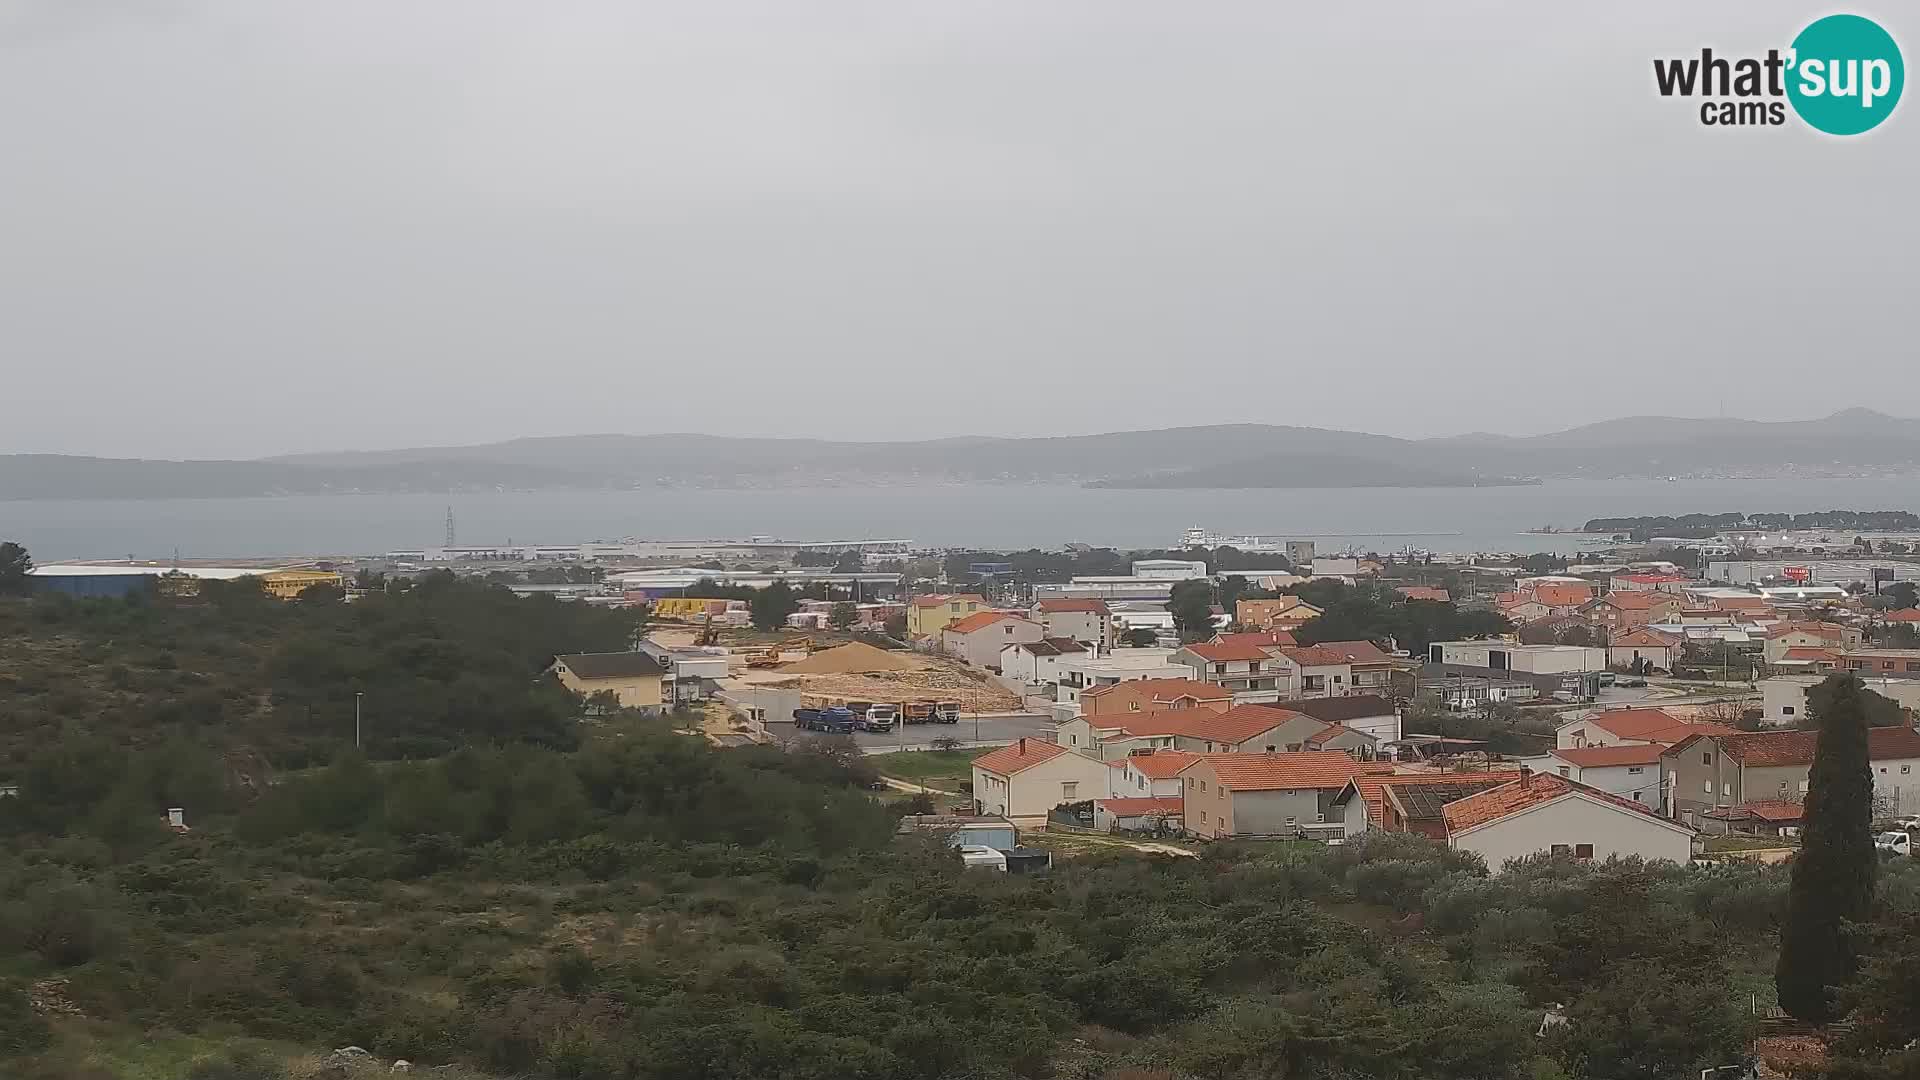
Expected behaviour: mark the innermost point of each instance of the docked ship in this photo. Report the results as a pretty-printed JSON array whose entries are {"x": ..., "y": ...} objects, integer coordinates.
[{"x": 1198, "y": 537}]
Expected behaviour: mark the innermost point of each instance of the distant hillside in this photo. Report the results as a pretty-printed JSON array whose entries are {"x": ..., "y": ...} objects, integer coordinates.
[{"x": 1226, "y": 455}]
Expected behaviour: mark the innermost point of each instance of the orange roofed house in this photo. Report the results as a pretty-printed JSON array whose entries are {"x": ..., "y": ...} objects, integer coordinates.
[
  {"x": 1027, "y": 778},
  {"x": 1243, "y": 729},
  {"x": 1140, "y": 695},
  {"x": 1546, "y": 814},
  {"x": 1410, "y": 802},
  {"x": 1619, "y": 727},
  {"x": 978, "y": 638},
  {"x": 1266, "y": 794}
]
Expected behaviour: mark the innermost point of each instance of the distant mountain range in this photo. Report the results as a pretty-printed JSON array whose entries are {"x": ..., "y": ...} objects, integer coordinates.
[{"x": 1222, "y": 456}]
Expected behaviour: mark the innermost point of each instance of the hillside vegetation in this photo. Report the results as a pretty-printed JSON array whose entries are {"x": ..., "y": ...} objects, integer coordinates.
[{"x": 498, "y": 887}]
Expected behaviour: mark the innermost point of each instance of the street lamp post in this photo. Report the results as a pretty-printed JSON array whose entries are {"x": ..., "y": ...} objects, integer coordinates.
[{"x": 357, "y": 695}]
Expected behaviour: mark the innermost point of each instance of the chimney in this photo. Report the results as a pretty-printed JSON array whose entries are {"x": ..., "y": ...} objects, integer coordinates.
[
  {"x": 1526, "y": 778},
  {"x": 1023, "y": 746}
]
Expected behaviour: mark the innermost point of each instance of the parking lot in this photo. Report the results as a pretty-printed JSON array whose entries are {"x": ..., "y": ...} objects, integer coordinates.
[{"x": 990, "y": 730}]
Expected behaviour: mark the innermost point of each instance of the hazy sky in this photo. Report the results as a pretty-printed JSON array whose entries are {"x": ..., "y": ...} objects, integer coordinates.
[{"x": 243, "y": 227}]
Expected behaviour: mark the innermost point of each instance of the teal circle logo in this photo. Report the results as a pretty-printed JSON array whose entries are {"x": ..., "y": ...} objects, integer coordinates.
[{"x": 1846, "y": 74}]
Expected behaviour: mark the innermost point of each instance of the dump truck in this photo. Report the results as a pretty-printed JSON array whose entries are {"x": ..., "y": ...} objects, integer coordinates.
[{"x": 834, "y": 720}]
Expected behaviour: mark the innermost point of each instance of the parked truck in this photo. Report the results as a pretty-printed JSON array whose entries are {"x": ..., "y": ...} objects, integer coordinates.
[{"x": 833, "y": 720}]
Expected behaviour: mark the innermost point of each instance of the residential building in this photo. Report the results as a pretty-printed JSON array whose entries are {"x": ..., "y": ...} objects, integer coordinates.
[
  {"x": 1500, "y": 655},
  {"x": 693, "y": 672},
  {"x": 1139, "y": 695},
  {"x": 1881, "y": 661},
  {"x": 1629, "y": 770},
  {"x": 1632, "y": 727},
  {"x": 1818, "y": 635},
  {"x": 1628, "y": 650},
  {"x": 1153, "y": 814},
  {"x": 1783, "y": 698},
  {"x": 635, "y": 679},
  {"x": 1278, "y": 613},
  {"x": 978, "y": 638},
  {"x": 1707, "y": 772},
  {"x": 1151, "y": 773},
  {"x": 1562, "y": 597},
  {"x": 1762, "y": 817},
  {"x": 1618, "y": 612},
  {"x": 928, "y": 615},
  {"x": 1368, "y": 669},
  {"x": 1549, "y": 814},
  {"x": 1336, "y": 567},
  {"x": 1253, "y": 672},
  {"x": 1088, "y": 622},
  {"x": 1667, "y": 583},
  {"x": 1243, "y": 729},
  {"x": 1801, "y": 660},
  {"x": 1027, "y": 778},
  {"x": 1266, "y": 794},
  {"x": 1318, "y": 670},
  {"x": 1037, "y": 663},
  {"x": 1081, "y": 674},
  {"x": 1369, "y": 714},
  {"x": 1521, "y": 608},
  {"x": 1410, "y": 802}
]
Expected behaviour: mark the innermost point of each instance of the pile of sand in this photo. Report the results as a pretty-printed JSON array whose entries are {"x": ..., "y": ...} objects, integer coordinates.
[{"x": 851, "y": 659}]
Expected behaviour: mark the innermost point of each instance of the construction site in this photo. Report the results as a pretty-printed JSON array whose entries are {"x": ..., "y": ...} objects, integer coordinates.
[{"x": 824, "y": 674}]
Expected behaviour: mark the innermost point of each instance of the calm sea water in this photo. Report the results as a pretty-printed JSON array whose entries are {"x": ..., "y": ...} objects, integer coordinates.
[{"x": 1381, "y": 519}]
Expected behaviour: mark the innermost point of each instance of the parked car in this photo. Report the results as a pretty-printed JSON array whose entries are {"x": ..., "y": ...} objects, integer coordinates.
[{"x": 1897, "y": 843}]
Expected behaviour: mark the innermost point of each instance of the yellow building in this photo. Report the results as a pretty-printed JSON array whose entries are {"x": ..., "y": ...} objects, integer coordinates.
[
  {"x": 634, "y": 678},
  {"x": 928, "y": 615},
  {"x": 288, "y": 584}
]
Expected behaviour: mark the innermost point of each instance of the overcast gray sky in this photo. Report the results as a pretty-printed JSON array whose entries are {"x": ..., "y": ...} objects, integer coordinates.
[{"x": 246, "y": 227}]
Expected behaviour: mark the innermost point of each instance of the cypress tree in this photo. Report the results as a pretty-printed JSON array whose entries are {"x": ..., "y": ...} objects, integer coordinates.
[{"x": 1833, "y": 876}]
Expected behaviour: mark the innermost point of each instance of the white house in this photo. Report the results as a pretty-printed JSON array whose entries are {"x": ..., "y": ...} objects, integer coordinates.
[
  {"x": 1087, "y": 671},
  {"x": 1508, "y": 656},
  {"x": 1629, "y": 770},
  {"x": 1617, "y": 727},
  {"x": 1089, "y": 622},
  {"x": 1549, "y": 814},
  {"x": 1783, "y": 698},
  {"x": 1037, "y": 663},
  {"x": 1028, "y": 778},
  {"x": 978, "y": 638},
  {"x": 1151, "y": 774}
]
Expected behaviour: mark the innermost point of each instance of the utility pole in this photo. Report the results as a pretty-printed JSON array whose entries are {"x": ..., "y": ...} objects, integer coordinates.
[{"x": 357, "y": 695}]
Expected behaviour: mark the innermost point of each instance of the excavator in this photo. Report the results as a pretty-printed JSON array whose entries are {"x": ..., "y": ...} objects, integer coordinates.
[
  {"x": 773, "y": 655},
  {"x": 709, "y": 634}
]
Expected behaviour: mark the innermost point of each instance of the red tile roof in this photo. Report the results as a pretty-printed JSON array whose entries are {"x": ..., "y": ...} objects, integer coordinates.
[
  {"x": 1157, "y": 804},
  {"x": 1159, "y": 765},
  {"x": 1373, "y": 788},
  {"x": 1256, "y": 637},
  {"x": 1060, "y": 606},
  {"x": 979, "y": 620},
  {"x": 1221, "y": 652},
  {"x": 1424, "y": 592},
  {"x": 1286, "y": 772},
  {"x": 1653, "y": 725},
  {"x": 1637, "y": 601},
  {"x": 1527, "y": 792},
  {"x": 1595, "y": 757},
  {"x": 1554, "y": 595},
  {"x": 1909, "y": 615},
  {"x": 1016, "y": 756},
  {"x": 1357, "y": 652},
  {"x": 1772, "y": 748},
  {"x": 1236, "y": 725},
  {"x": 1329, "y": 733},
  {"x": 1164, "y": 689},
  {"x": 1315, "y": 656},
  {"x": 1823, "y": 631},
  {"x": 1810, "y": 652}
]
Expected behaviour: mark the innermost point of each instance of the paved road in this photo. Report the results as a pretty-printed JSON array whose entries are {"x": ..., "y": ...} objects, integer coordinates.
[{"x": 992, "y": 731}]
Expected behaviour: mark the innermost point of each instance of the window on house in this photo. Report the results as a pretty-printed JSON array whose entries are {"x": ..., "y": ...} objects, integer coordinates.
[
  {"x": 1219, "y": 793},
  {"x": 1706, "y": 758},
  {"x": 1562, "y": 849},
  {"x": 1803, "y": 787},
  {"x": 1069, "y": 790},
  {"x": 1203, "y": 815},
  {"x": 1786, "y": 710},
  {"x": 1564, "y": 771},
  {"x": 1726, "y": 788},
  {"x": 1706, "y": 786},
  {"x": 1583, "y": 851},
  {"x": 1634, "y": 770},
  {"x": 1270, "y": 749}
]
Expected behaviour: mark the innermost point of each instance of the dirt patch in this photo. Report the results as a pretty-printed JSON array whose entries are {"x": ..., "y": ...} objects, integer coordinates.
[{"x": 851, "y": 659}]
